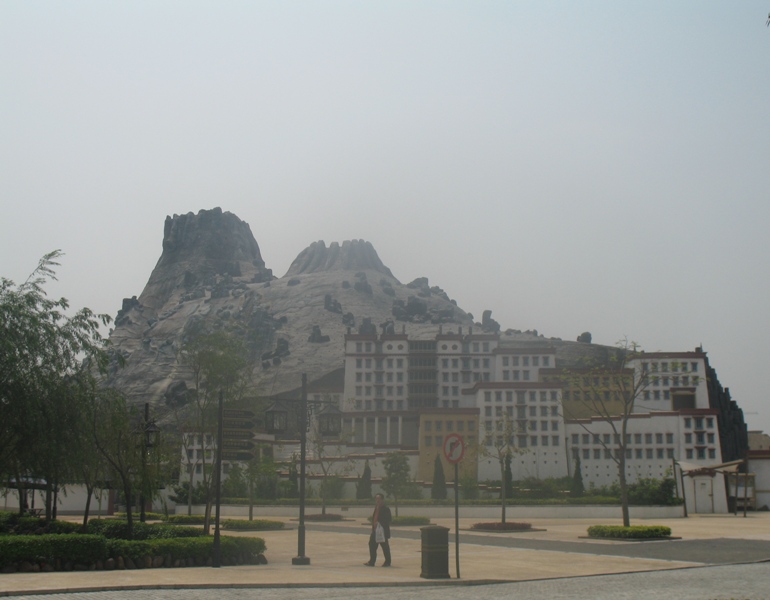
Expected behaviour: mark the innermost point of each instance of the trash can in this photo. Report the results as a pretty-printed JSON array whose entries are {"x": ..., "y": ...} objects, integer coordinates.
[{"x": 435, "y": 552}]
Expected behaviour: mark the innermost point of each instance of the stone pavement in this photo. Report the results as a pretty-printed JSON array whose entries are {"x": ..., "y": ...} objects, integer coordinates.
[{"x": 556, "y": 562}]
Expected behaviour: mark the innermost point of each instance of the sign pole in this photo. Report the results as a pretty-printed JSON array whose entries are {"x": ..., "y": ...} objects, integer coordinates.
[
  {"x": 457, "y": 521},
  {"x": 454, "y": 450}
]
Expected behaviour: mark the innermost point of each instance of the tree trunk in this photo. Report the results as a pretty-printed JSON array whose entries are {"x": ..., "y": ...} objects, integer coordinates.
[
  {"x": 129, "y": 516},
  {"x": 504, "y": 487},
  {"x": 251, "y": 499},
  {"x": 190, "y": 490},
  {"x": 623, "y": 488},
  {"x": 89, "y": 493},
  {"x": 48, "y": 497}
]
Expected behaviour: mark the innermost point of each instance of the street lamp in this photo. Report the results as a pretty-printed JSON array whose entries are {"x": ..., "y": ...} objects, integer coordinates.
[
  {"x": 150, "y": 433},
  {"x": 329, "y": 424}
]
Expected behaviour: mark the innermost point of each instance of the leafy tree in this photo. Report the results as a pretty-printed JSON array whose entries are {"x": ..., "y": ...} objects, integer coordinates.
[
  {"x": 218, "y": 363},
  {"x": 577, "y": 488},
  {"x": 438, "y": 489},
  {"x": 236, "y": 484},
  {"x": 364, "y": 484},
  {"x": 330, "y": 459},
  {"x": 114, "y": 432},
  {"x": 41, "y": 350},
  {"x": 469, "y": 486},
  {"x": 396, "y": 479},
  {"x": 608, "y": 389},
  {"x": 499, "y": 445}
]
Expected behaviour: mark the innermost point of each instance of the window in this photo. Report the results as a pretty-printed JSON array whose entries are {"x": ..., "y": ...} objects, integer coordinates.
[
  {"x": 712, "y": 453},
  {"x": 660, "y": 453},
  {"x": 688, "y": 438},
  {"x": 535, "y": 361},
  {"x": 544, "y": 440},
  {"x": 586, "y": 453},
  {"x": 487, "y": 411},
  {"x": 658, "y": 438},
  {"x": 669, "y": 438},
  {"x": 607, "y": 438},
  {"x": 701, "y": 453},
  {"x": 688, "y": 453},
  {"x": 607, "y": 453},
  {"x": 639, "y": 453},
  {"x": 597, "y": 453},
  {"x": 669, "y": 453},
  {"x": 575, "y": 439},
  {"x": 554, "y": 440},
  {"x": 533, "y": 440},
  {"x": 586, "y": 438},
  {"x": 554, "y": 426},
  {"x": 648, "y": 453},
  {"x": 648, "y": 438},
  {"x": 710, "y": 423},
  {"x": 439, "y": 440},
  {"x": 438, "y": 426},
  {"x": 428, "y": 440},
  {"x": 699, "y": 423},
  {"x": 710, "y": 437},
  {"x": 546, "y": 361}
]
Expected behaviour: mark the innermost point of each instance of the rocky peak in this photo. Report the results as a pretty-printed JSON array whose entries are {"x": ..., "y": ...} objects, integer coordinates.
[
  {"x": 199, "y": 247},
  {"x": 353, "y": 255}
]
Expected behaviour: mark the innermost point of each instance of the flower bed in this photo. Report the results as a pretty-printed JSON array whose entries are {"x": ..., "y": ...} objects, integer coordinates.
[
  {"x": 637, "y": 532},
  {"x": 499, "y": 526},
  {"x": 253, "y": 525},
  {"x": 323, "y": 518}
]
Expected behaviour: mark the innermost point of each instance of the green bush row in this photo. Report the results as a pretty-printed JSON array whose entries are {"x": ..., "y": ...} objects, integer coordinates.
[
  {"x": 88, "y": 549},
  {"x": 83, "y": 549},
  {"x": 150, "y": 516},
  {"x": 254, "y": 525},
  {"x": 118, "y": 529},
  {"x": 633, "y": 532}
]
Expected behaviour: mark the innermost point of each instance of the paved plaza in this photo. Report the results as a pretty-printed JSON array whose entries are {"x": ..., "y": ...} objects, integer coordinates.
[{"x": 717, "y": 557}]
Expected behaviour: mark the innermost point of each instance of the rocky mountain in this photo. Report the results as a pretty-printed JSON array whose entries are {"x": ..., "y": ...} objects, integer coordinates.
[{"x": 211, "y": 275}]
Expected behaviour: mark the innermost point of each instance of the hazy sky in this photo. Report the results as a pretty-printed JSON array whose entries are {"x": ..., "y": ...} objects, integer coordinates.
[{"x": 573, "y": 166}]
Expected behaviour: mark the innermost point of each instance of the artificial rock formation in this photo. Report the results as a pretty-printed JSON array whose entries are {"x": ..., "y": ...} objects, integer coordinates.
[{"x": 211, "y": 276}]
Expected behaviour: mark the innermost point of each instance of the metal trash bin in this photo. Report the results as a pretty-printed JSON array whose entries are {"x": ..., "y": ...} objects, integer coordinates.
[{"x": 435, "y": 552}]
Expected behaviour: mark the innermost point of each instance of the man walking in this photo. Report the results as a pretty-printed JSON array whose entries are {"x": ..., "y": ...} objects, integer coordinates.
[{"x": 380, "y": 532}]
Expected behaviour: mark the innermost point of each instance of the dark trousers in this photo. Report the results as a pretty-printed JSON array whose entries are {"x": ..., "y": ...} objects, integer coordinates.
[{"x": 373, "y": 549}]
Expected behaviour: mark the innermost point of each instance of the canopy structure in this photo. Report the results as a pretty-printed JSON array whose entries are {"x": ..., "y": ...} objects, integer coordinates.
[{"x": 693, "y": 469}]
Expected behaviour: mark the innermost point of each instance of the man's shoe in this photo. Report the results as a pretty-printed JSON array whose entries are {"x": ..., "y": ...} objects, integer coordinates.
[
  {"x": 368, "y": 564},
  {"x": 386, "y": 564}
]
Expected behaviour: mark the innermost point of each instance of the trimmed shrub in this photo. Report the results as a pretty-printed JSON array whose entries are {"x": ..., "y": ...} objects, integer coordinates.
[
  {"x": 151, "y": 516},
  {"x": 500, "y": 526},
  {"x": 633, "y": 532},
  {"x": 406, "y": 521},
  {"x": 322, "y": 517},
  {"x": 186, "y": 519},
  {"x": 254, "y": 525},
  {"x": 118, "y": 529},
  {"x": 78, "y": 548}
]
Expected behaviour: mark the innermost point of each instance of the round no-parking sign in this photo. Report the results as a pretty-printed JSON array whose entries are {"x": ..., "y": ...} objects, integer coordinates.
[{"x": 454, "y": 448}]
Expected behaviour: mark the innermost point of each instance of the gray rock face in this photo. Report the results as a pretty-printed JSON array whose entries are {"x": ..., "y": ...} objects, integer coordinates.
[
  {"x": 353, "y": 255},
  {"x": 201, "y": 249},
  {"x": 211, "y": 275}
]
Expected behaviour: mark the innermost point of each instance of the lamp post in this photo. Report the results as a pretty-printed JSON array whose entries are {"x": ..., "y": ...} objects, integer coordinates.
[
  {"x": 329, "y": 423},
  {"x": 149, "y": 433}
]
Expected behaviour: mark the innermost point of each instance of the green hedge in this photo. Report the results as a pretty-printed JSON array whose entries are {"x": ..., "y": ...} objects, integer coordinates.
[
  {"x": 633, "y": 532},
  {"x": 186, "y": 519},
  {"x": 118, "y": 529},
  {"x": 410, "y": 521},
  {"x": 150, "y": 516},
  {"x": 254, "y": 525},
  {"x": 82, "y": 549},
  {"x": 88, "y": 549}
]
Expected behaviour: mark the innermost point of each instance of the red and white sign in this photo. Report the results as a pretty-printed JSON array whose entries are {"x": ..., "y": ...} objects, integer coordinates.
[{"x": 454, "y": 448}]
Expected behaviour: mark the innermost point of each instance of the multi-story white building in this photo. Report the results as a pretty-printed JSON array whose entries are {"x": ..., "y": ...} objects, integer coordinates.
[{"x": 682, "y": 413}]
